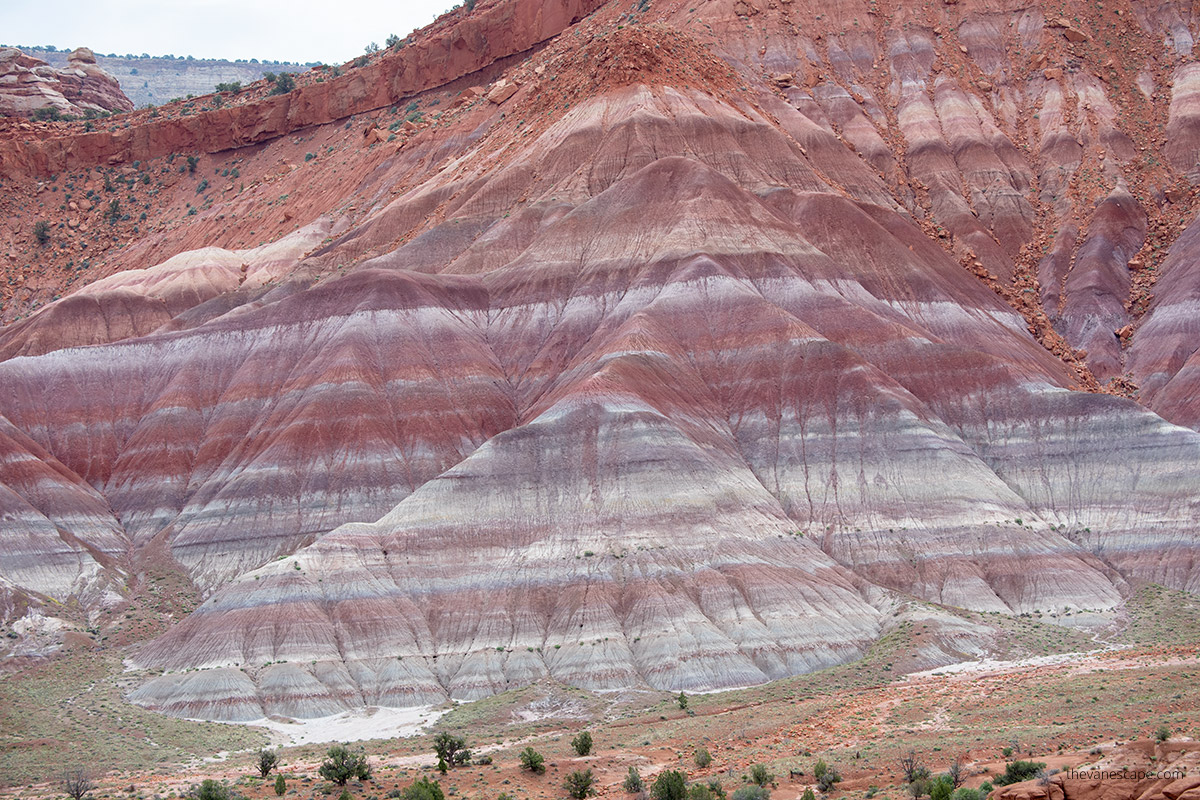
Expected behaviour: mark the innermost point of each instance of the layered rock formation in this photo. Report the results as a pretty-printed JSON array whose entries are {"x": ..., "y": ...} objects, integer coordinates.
[
  {"x": 674, "y": 363},
  {"x": 28, "y": 84}
]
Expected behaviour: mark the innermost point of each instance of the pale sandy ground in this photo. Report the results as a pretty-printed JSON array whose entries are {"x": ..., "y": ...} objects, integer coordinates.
[{"x": 350, "y": 726}]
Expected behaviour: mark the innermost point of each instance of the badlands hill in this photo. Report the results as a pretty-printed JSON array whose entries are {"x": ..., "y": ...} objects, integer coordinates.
[{"x": 667, "y": 344}]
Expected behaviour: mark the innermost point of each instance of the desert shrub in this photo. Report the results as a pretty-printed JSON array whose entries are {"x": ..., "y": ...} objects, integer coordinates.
[
  {"x": 579, "y": 784},
  {"x": 670, "y": 785},
  {"x": 267, "y": 761},
  {"x": 1017, "y": 771},
  {"x": 391, "y": 41},
  {"x": 345, "y": 795},
  {"x": 280, "y": 785},
  {"x": 470, "y": 4},
  {"x": 751, "y": 792},
  {"x": 113, "y": 214},
  {"x": 963, "y": 793},
  {"x": 41, "y": 231},
  {"x": 1162, "y": 734},
  {"x": 633, "y": 781},
  {"x": 192, "y": 162},
  {"x": 682, "y": 701},
  {"x": 77, "y": 782},
  {"x": 701, "y": 791},
  {"x": 760, "y": 775},
  {"x": 270, "y": 77},
  {"x": 232, "y": 86},
  {"x": 702, "y": 758},
  {"x": 482, "y": 761},
  {"x": 940, "y": 789},
  {"x": 809, "y": 794},
  {"x": 826, "y": 776},
  {"x": 208, "y": 789},
  {"x": 533, "y": 761},
  {"x": 423, "y": 789},
  {"x": 47, "y": 114},
  {"x": 582, "y": 743},
  {"x": 341, "y": 764}
]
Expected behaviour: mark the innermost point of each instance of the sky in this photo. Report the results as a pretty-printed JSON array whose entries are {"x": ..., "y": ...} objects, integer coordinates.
[{"x": 330, "y": 31}]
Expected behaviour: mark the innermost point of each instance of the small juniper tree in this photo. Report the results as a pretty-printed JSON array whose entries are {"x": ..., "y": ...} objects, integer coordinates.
[
  {"x": 342, "y": 764},
  {"x": 670, "y": 785},
  {"x": 41, "y": 231},
  {"x": 761, "y": 776},
  {"x": 682, "y": 701},
  {"x": 267, "y": 761},
  {"x": 579, "y": 784},
  {"x": 633, "y": 781},
  {"x": 582, "y": 743},
  {"x": 533, "y": 761},
  {"x": 280, "y": 785},
  {"x": 452, "y": 749}
]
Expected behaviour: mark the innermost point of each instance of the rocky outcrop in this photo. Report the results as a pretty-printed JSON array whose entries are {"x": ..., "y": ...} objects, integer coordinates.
[
  {"x": 1136, "y": 770},
  {"x": 28, "y": 84}
]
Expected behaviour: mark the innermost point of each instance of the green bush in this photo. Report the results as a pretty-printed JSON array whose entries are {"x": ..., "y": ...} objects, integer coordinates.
[
  {"x": 579, "y": 784},
  {"x": 633, "y": 781},
  {"x": 701, "y": 791},
  {"x": 582, "y": 743},
  {"x": 940, "y": 789},
  {"x": 1017, "y": 771},
  {"x": 280, "y": 785},
  {"x": 533, "y": 761},
  {"x": 682, "y": 701},
  {"x": 1162, "y": 734},
  {"x": 284, "y": 83},
  {"x": 963, "y": 793},
  {"x": 41, "y": 231},
  {"x": 826, "y": 776},
  {"x": 808, "y": 794},
  {"x": 210, "y": 790},
  {"x": 345, "y": 795},
  {"x": 751, "y": 792},
  {"x": 702, "y": 758},
  {"x": 761, "y": 776},
  {"x": 670, "y": 785},
  {"x": 342, "y": 764},
  {"x": 424, "y": 789},
  {"x": 232, "y": 86},
  {"x": 47, "y": 114}
]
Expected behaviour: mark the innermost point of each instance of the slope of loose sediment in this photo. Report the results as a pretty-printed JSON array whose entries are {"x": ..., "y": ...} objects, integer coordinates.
[{"x": 674, "y": 363}]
